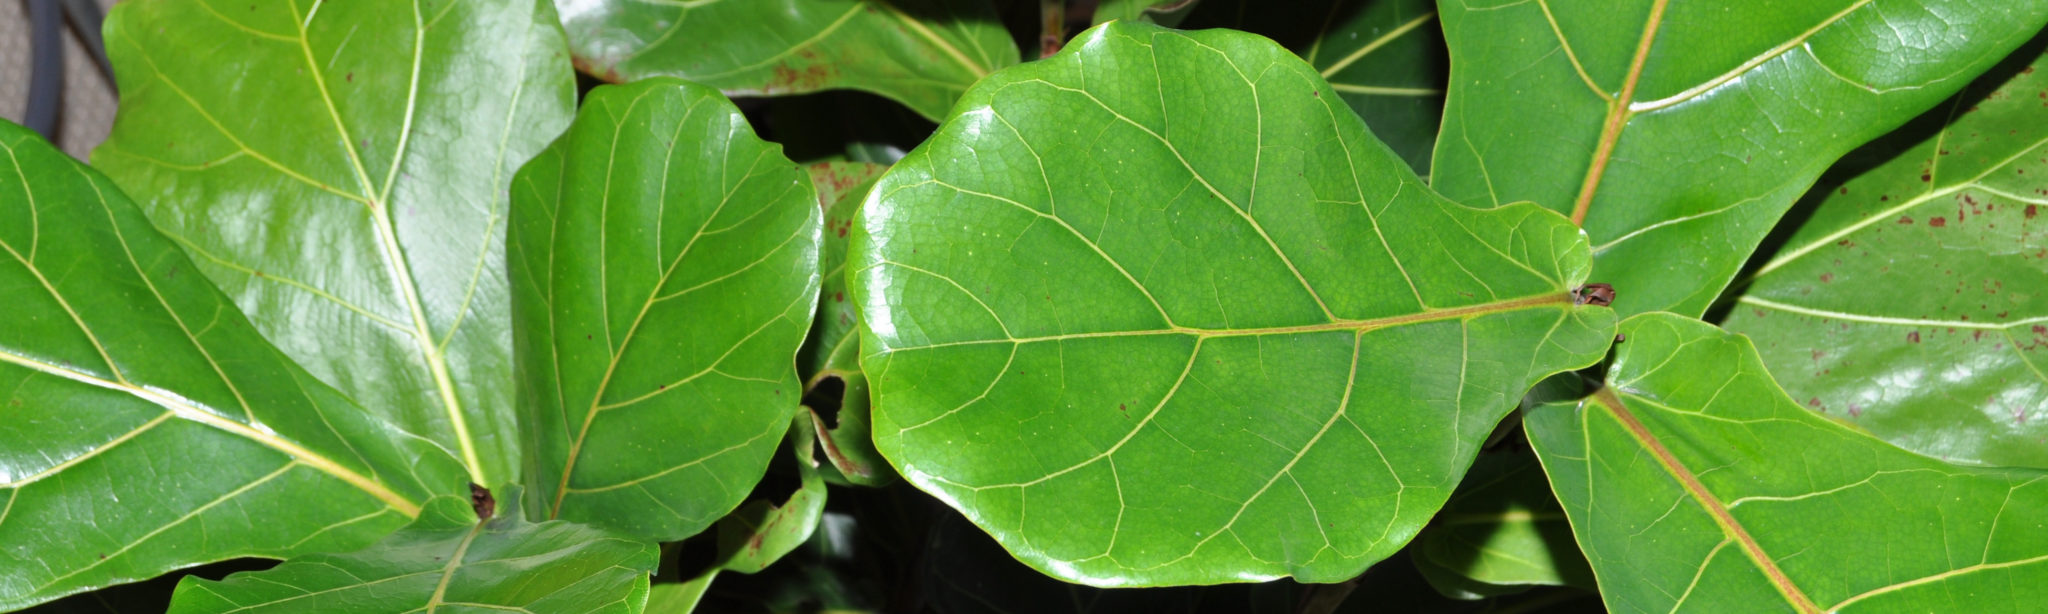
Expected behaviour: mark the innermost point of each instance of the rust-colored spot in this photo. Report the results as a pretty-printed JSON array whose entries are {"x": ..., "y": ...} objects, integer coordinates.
[
  {"x": 1937, "y": 222},
  {"x": 1903, "y": 220},
  {"x": 1913, "y": 337},
  {"x": 839, "y": 297},
  {"x": 1926, "y": 177},
  {"x": 1599, "y": 295},
  {"x": 2030, "y": 211},
  {"x": 1827, "y": 277},
  {"x": 481, "y": 500}
]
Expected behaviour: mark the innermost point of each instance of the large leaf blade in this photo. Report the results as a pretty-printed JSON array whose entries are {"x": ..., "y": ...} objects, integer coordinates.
[
  {"x": 448, "y": 559},
  {"x": 340, "y": 169},
  {"x": 1059, "y": 275},
  {"x": 921, "y": 53},
  {"x": 143, "y": 405},
  {"x": 1678, "y": 133},
  {"x": 1693, "y": 482},
  {"x": 667, "y": 268},
  {"x": 1909, "y": 303}
]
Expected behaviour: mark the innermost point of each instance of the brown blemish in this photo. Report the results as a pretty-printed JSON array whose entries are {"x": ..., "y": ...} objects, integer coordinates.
[
  {"x": 1937, "y": 222},
  {"x": 1913, "y": 337}
]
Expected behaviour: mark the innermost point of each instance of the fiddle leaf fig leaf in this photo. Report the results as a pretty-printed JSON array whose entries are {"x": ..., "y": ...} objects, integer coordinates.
[
  {"x": 1693, "y": 483},
  {"x": 666, "y": 267},
  {"x": 1502, "y": 532},
  {"x": 1911, "y": 303},
  {"x": 921, "y": 53},
  {"x": 830, "y": 361},
  {"x": 340, "y": 169},
  {"x": 1159, "y": 310},
  {"x": 762, "y": 532},
  {"x": 1677, "y": 133},
  {"x": 145, "y": 424},
  {"x": 447, "y": 559},
  {"x": 1386, "y": 58}
]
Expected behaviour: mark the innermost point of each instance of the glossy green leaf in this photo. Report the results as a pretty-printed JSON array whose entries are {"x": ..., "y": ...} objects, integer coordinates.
[
  {"x": 447, "y": 560},
  {"x": 1694, "y": 484},
  {"x": 340, "y": 170},
  {"x": 1386, "y": 58},
  {"x": 922, "y": 53},
  {"x": 145, "y": 424},
  {"x": 1914, "y": 301},
  {"x": 665, "y": 264},
  {"x": 1501, "y": 532},
  {"x": 1679, "y": 132},
  {"x": 679, "y": 597},
  {"x": 1158, "y": 310},
  {"x": 830, "y": 359},
  {"x": 760, "y": 532}
]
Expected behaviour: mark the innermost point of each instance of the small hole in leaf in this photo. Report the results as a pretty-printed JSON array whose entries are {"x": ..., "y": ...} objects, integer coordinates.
[{"x": 825, "y": 397}]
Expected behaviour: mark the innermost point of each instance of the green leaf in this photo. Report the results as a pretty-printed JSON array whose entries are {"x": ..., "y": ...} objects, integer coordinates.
[
  {"x": 1500, "y": 533},
  {"x": 679, "y": 597},
  {"x": 1693, "y": 482},
  {"x": 448, "y": 560},
  {"x": 921, "y": 53},
  {"x": 1386, "y": 58},
  {"x": 1166, "y": 288},
  {"x": 665, "y": 267},
  {"x": 1911, "y": 302},
  {"x": 831, "y": 354},
  {"x": 1679, "y": 132},
  {"x": 760, "y": 533},
  {"x": 340, "y": 170},
  {"x": 146, "y": 425}
]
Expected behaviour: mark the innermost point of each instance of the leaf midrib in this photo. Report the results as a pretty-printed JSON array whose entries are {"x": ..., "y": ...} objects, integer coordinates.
[
  {"x": 379, "y": 206},
  {"x": 1361, "y": 325},
  {"x": 1731, "y": 528}
]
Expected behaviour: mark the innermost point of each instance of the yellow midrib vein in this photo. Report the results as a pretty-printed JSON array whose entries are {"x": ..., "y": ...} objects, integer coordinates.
[
  {"x": 1690, "y": 482},
  {"x": 1367, "y": 325},
  {"x": 1618, "y": 114},
  {"x": 192, "y": 412},
  {"x": 387, "y": 234}
]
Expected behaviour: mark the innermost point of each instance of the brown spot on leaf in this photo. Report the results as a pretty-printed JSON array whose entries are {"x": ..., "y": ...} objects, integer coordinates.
[
  {"x": 481, "y": 500},
  {"x": 1937, "y": 222},
  {"x": 1913, "y": 337}
]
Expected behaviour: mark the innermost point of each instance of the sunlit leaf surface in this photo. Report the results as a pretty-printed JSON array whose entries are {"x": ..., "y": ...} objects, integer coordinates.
[
  {"x": 1158, "y": 310},
  {"x": 1913, "y": 302},
  {"x": 1694, "y": 484},
  {"x": 145, "y": 425},
  {"x": 339, "y": 168},
  {"x": 1679, "y": 132}
]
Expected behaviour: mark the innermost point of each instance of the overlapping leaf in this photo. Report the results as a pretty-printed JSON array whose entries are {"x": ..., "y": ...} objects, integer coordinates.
[
  {"x": 761, "y": 532},
  {"x": 1914, "y": 301},
  {"x": 448, "y": 560},
  {"x": 1158, "y": 310},
  {"x": 145, "y": 425},
  {"x": 665, "y": 262},
  {"x": 339, "y": 169},
  {"x": 922, "y": 53},
  {"x": 1386, "y": 58},
  {"x": 1501, "y": 533},
  {"x": 830, "y": 359},
  {"x": 1679, "y": 132},
  {"x": 1694, "y": 484}
]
